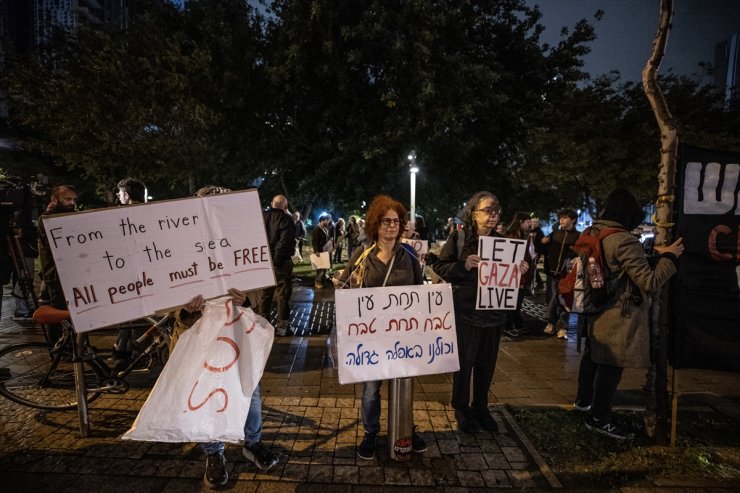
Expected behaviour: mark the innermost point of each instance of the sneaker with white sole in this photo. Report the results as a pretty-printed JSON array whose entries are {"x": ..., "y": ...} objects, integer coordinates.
[
  {"x": 609, "y": 429},
  {"x": 216, "y": 475},
  {"x": 418, "y": 444},
  {"x": 366, "y": 450},
  {"x": 261, "y": 456}
]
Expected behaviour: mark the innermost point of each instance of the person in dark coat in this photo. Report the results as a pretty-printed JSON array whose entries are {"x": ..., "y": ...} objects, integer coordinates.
[
  {"x": 619, "y": 337},
  {"x": 281, "y": 239},
  {"x": 320, "y": 243},
  {"x": 478, "y": 331}
]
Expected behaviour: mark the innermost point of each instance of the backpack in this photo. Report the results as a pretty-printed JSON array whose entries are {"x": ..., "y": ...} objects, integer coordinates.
[{"x": 574, "y": 289}]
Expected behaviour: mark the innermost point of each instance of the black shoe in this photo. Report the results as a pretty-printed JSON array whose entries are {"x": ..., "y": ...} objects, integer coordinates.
[
  {"x": 418, "y": 444},
  {"x": 466, "y": 421},
  {"x": 581, "y": 406},
  {"x": 366, "y": 450},
  {"x": 609, "y": 429},
  {"x": 486, "y": 421},
  {"x": 261, "y": 456},
  {"x": 216, "y": 475},
  {"x": 512, "y": 333}
]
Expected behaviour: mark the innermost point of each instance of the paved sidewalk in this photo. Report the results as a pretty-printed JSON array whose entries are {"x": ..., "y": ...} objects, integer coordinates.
[{"x": 313, "y": 422}]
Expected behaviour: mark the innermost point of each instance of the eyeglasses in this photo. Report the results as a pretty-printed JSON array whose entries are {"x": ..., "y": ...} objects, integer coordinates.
[
  {"x": 490, "y": 211},
  {"x": 387, "y": 221}
]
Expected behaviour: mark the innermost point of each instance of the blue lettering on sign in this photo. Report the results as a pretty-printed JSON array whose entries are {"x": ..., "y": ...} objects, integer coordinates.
[
  {"x": 362, "y": 357},
  {"x": 438, "y": 348},
  {"x": 404, "y": 352}
]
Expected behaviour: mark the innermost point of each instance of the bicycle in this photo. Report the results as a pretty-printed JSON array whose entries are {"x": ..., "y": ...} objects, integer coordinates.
[{"x": 43, "y": 376}]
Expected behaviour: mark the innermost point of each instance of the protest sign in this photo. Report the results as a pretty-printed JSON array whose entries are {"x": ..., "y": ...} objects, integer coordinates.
[
  {"x": 498, "y": 272},
  {"x": 123, "y": 263},
  {"x": 395, "y": 332},
  {"x": 203, "y": 393},
  {"x": 420, "y": 246},
  {"x": 320, "y": 261}
]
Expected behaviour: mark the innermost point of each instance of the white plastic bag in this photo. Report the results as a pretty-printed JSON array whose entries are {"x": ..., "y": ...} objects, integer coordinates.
[{"x": 204, "y": 391}]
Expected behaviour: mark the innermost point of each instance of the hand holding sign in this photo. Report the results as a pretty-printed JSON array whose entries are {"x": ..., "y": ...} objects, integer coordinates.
[{"x": 500, "y": 263}]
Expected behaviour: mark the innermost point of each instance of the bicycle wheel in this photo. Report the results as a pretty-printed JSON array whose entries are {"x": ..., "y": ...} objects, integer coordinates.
[{"x": 29, "y": 376}]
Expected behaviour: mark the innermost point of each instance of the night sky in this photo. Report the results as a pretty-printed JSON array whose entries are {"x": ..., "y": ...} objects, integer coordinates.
[{"x": 626, "y": 32}]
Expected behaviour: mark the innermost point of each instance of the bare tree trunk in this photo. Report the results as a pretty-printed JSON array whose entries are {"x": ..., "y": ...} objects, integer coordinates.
[{"x": 656, "y": 416}]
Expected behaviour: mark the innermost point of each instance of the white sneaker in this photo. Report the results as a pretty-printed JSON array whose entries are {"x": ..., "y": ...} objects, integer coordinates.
[
  {"x": 563, "y": 334},
  {"x": 550, "y": 329}
]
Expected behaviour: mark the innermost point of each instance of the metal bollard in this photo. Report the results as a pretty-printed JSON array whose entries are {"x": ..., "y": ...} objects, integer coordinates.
[{"x": 400, "y": 418}]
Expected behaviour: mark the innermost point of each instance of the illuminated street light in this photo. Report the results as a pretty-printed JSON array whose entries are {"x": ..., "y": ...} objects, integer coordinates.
[{"x": 413, "y": 169}]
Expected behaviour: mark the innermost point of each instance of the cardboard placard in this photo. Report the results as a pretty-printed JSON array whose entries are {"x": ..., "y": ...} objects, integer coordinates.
[
  {"x": 499, "y": 274},
  {"x": 395, "y": 332},
  {"x": 123, "y": 263}
]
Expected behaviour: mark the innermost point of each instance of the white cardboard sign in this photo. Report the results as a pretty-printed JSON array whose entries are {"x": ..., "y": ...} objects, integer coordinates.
[
  {"x": 420, "y": 246},
  {"x": 123, "y": 263},
  {"x": 499, "y": 275},
  {"x": 395, "y": 332}
]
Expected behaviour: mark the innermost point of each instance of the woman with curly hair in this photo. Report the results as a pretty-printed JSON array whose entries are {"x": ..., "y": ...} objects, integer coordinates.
[{"x": 385, "y": 263}]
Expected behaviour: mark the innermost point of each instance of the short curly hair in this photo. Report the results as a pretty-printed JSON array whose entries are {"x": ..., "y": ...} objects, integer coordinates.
[{"x": 378, "y": 207}]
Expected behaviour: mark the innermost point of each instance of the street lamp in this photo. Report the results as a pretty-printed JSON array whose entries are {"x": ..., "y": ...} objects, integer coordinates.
[{"x": 413, "y": 169}]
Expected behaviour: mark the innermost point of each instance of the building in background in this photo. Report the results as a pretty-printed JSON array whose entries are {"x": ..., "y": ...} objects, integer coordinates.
[{"x": 726, "y": 70}]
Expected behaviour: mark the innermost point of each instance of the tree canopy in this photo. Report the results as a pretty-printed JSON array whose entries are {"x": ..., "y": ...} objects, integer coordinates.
[{"x": 322, "y": 101}]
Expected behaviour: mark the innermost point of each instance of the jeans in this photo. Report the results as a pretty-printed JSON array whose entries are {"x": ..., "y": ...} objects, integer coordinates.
[
  {"x": 478, "y": 350},
  {"x": 597, "y": 384},
  {"x": 283, "y": 291},
  {"x": 370, "y": 411},
  {"x": 252, "y": 426}
]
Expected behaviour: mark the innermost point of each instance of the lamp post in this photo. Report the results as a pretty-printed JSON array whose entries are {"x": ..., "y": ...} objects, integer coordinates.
[{"x": 413, "y": 169}]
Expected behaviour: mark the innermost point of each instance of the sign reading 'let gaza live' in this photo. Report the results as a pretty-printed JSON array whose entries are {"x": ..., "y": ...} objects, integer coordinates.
[{"x": 124, "y": 263}]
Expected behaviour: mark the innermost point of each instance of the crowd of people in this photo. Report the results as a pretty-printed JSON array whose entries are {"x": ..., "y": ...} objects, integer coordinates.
[{"x": 376, "y": 257}]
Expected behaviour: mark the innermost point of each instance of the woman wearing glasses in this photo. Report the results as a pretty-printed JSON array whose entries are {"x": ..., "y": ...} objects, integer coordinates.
[
  {"x": 478, "y": 331},
  {"x": 385, "y": 263}
]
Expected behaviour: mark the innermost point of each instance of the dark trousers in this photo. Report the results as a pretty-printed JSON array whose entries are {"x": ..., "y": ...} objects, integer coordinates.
[
  {"x": 281, "y": 293},
  {"x": 597, "y": 384},
  {"x": 478, "y": 350},
  {"x": 514, "y": 317}
]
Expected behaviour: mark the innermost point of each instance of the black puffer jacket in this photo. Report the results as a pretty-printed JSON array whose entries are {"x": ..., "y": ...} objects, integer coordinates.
[{"x": 280, "y": 235}]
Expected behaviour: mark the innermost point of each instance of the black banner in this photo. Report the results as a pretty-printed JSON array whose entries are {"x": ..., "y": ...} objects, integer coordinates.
[{"x": 705, "y": 298}]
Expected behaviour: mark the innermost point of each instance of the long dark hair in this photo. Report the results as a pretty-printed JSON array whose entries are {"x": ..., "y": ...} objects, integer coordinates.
[{"x": 514, "y": 230}]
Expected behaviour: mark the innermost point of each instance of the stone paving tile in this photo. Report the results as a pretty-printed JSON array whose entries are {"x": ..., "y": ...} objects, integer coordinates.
[
  {"x": 320, "y": 473},
  {"x": 346, "y": 474},
  {"x": 470, "y": 478},
  {"x": 397, "y": 476},
  {"x": 514, "y": 454},
  {"x": 521, "y": 479},
  {"x": 496, "y": 478}
]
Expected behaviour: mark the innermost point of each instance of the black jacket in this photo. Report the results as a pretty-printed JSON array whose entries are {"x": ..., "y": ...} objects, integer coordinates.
[
  {"x": 465, "y": 282},
  {"x": 280, "y": 235},
  {"x": 558, "y": 250}
]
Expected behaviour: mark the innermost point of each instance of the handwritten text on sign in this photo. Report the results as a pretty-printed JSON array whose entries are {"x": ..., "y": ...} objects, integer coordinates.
[
  {"x": 498, "y": 272},
  {"x": 395, "y": 332},
  {"x": 204, "y": 391},
  {"x": 123, "y": 263}
]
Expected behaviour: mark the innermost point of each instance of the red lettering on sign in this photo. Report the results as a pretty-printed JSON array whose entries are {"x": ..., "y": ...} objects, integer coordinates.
[
  {"x": 214, "y": 391},
  {"x": 221, "y": 369}
]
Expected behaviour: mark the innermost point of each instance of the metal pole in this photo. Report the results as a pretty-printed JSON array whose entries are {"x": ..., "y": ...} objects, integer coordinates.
[
  {"x": 400, "y": 418},
  {"x": 80, "y": 384},
  {"x": 412, "y": 212}
]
